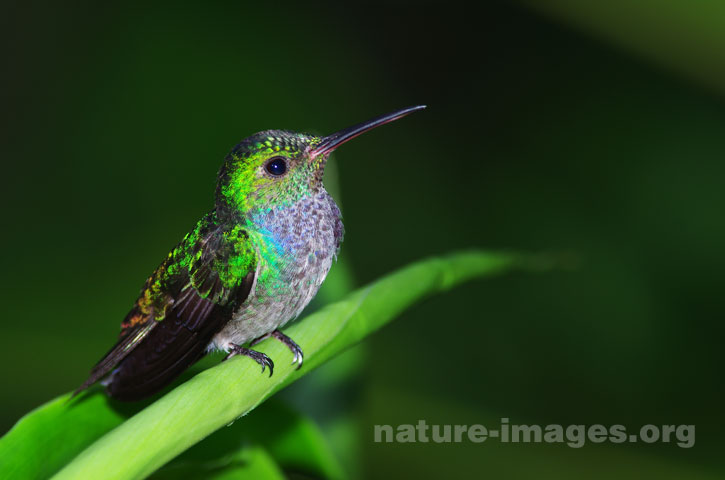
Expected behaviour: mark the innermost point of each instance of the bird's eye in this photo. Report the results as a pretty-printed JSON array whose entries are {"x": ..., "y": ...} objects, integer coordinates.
[{"x": 276, "y": 166}]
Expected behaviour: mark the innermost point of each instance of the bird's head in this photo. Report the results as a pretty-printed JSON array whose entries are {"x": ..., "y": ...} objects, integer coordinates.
[{"x": 278, "y": 167}]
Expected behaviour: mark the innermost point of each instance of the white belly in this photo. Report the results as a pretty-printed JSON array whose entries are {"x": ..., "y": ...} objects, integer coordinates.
[{"x": 296, "y": 247}]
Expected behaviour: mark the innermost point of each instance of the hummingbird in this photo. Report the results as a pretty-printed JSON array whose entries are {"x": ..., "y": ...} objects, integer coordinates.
[{"x": 246, "y": 269}]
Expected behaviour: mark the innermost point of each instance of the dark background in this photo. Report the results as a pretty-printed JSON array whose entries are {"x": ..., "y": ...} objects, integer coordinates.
[{"x": 582, "y": 129}]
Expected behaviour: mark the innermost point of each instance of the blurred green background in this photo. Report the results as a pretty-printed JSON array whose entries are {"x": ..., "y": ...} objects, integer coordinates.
[{"x": 589, "y": 128}]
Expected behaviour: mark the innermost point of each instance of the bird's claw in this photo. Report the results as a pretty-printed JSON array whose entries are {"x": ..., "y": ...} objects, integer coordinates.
[
  {"x": 298, "y": 356},
  {"x": 258, "y": 357}
]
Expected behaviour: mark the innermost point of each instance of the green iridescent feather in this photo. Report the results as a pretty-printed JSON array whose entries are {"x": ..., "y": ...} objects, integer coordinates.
[{"x": 246, "y": 268}]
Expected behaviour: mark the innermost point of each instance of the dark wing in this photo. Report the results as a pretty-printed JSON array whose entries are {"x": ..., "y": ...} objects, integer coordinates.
[{"x": 182, "y": 306}]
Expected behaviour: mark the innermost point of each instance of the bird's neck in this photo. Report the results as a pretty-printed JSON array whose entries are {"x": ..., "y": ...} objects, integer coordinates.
[{"x": 289, "y": 227}]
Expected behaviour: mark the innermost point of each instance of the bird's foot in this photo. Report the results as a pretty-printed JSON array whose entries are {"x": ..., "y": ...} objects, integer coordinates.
[
  {"x": 258, "y": 357},
  {"x": 294, "y": 348}
]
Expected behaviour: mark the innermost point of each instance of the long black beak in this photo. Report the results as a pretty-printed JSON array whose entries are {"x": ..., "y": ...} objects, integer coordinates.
[{"x": 331, "y": 142}]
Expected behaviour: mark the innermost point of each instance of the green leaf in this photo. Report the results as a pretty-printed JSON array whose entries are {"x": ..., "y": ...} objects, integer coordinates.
[
  {"x": 50, "y": 436},
  {"x": 220, "y": 395},
  {"x": 292, "y": 440},
  {"x": 252, "y": 462}
]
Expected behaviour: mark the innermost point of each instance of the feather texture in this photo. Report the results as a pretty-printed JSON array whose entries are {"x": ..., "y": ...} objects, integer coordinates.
[{"x": 189, "y": 298}]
